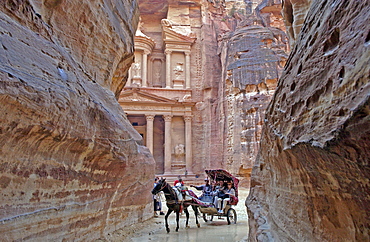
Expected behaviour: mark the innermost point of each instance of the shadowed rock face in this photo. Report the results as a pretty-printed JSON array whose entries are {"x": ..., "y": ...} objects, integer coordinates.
[
  {"x": 72, "y": 167},
  {"x": 310, "y": 181},
  {"x": 294, "y": 12}
]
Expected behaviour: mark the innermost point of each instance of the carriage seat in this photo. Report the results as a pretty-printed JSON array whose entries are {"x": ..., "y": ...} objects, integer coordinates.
[{"x": 234, "y": 200}]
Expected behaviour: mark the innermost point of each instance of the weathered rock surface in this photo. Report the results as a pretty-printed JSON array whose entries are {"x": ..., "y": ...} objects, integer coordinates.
[
  {"x": 294, "y": 12},
  {"x": 252, "y": 59},
  {"x": 311, "y": 179},
  {"x": 72, "y": 167}
]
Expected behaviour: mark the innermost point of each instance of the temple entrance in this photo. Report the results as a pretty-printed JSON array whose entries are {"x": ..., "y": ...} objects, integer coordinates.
[
  {"x": 158, "y": 144},
  {"x": 165, "y": 125},
  {"x": 139, "y": 122}
]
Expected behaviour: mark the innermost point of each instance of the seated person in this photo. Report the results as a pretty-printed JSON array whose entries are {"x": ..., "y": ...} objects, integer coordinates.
[
  {"x": 206, "y": 189},
  {"x": 228, "y": 192},
  {"x": 218, "y": 192}
]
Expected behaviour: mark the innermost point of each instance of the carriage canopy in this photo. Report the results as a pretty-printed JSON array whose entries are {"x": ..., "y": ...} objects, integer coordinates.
[{"x": 220, "y": 174}]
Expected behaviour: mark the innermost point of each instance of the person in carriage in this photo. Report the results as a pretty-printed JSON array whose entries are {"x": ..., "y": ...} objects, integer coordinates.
[
  {"x": 223, "y": 199},
  {"x": 218, "y": 191}
]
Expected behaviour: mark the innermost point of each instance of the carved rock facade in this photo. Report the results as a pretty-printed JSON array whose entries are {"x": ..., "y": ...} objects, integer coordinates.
[
  {"x": 209, "y": 68},
  {"x": 310, "y": 181},
  {"x": 67, "y": 150}
]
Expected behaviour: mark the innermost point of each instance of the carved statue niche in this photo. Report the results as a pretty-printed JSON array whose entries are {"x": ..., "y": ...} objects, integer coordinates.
[
  {"x": 179, "y": 150},
  {"x": 157, "y": 69},
  {"x": 136, "y": 74},
  {"x": 136, "y": 70},
  {"x": 178, "y": 72}
]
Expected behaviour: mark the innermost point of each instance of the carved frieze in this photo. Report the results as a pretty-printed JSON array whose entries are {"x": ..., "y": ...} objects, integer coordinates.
[
  {"x": 144, "y": 108},
  {"x": 135, "y": 98}
]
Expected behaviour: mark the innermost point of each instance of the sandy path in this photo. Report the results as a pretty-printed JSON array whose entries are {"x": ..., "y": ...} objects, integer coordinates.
[{"x": 216, "y": 230}]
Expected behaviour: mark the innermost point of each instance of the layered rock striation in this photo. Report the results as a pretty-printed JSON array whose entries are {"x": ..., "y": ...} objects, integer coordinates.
[
  {"x": 310, "y": 181},
  {"x": 252, "y": 59},
  {"x": 294, "y": 12},
  {"x": 72, "y": 167}
]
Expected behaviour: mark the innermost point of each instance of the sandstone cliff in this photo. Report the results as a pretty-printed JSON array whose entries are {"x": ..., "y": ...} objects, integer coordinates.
[
  {"x": 252, "y": 57},
  {"x": 310, "y": 181},
  {"x": 294, "y": 12},
  {"x": 72, "y": 167}
]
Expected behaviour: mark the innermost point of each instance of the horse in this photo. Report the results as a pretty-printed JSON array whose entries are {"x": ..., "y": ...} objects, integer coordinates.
[{"x": 174, "y": 205}]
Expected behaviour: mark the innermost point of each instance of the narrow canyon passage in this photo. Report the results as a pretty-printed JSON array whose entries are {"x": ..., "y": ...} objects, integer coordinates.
[
  {"x": 100, "y": 97},
  {"x": 216, "y": 230}
]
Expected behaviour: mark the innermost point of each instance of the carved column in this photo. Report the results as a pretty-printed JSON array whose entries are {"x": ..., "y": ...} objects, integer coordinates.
[
  {"x": 167, "y": 143},
  {"x": 128, "y": 83},
  {"x": 145, "y": 68},
  {"x": 187, "y": 69},
  {"x": 188, "y": 144},
  {"x": 168, "y": 68},
  {"x": 149, "y": 131}
]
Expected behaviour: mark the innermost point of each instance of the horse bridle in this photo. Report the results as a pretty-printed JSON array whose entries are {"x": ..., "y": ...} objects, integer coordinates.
[{"x": 164, "y": 184}]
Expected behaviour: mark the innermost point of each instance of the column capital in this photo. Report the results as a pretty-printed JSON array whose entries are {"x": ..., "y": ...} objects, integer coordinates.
[
  {"x": 188, "y": 118},
  {"x": 167, "y": 118},
  {"x": 187, "y": 52},
  {"x": 146, "y": 52},
  {"x": 149, "y": 117},
  {"x": 168, "y": 52}
]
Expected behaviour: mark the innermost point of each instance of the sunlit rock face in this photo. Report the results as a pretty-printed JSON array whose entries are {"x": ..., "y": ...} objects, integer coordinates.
[
  {"x": 72, "y": 167},
  {"x": 252, "y": 59},
  {"x": 294, "y": 12},
  {"x": 310, "y": 181}
]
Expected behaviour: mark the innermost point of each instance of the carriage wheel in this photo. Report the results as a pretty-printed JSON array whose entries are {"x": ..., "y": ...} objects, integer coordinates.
[
  {"x": 231, "y": 216},
  {"x": 207, "y": 217}
]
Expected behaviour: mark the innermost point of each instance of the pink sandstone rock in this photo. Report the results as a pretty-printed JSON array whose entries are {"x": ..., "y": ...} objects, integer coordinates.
[
  {"x": 310, "y": 180},
  {"x": 252, "y": 59},
  {"x": 72, "y": 167}
]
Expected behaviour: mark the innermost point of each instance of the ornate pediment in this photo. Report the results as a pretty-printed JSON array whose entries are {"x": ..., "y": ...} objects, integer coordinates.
[{"x": 135, "y": 95}]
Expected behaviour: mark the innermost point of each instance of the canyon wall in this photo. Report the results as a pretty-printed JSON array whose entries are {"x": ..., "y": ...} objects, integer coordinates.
[
  {"x": 294, "y": 12},
  {"x": 72, "y": 167},
  {"x": 310, "y": 181},
  {"x": 252, "y": 57}
]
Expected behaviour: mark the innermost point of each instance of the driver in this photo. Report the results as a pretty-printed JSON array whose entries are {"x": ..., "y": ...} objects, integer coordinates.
[{"x": 207, "y": 190}]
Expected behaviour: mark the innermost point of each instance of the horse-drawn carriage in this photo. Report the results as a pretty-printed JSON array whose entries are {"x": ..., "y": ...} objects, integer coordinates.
[
  {"x": 176, "y": 201},
  {"x": 208, "y": 210}
]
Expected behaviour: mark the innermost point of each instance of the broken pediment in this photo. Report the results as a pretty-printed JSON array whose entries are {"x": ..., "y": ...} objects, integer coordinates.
[
  {"x": 136, "y": 95},
  {"x": 142, "y": 41},
  {"x": 176, "y": 33}
]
